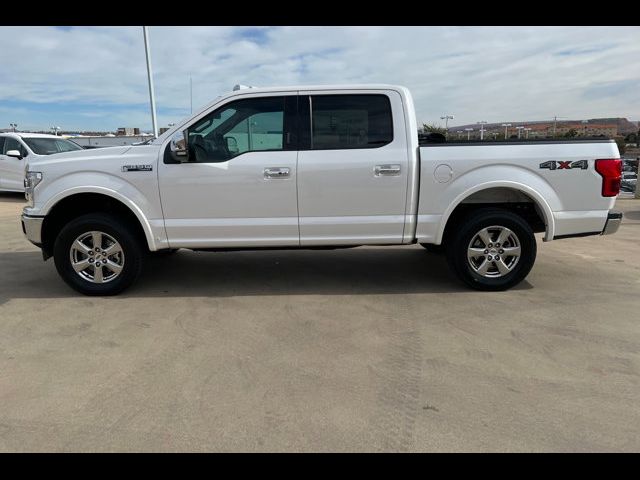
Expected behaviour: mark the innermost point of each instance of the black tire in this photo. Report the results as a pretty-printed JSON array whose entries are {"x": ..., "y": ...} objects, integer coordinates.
[
  {"x": 121, "y": 232},
  {"x": 458, "y": 242},
  {"x": 431, "y": 248}
]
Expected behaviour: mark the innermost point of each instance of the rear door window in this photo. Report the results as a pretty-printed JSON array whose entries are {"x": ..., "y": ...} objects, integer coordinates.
[{"x": 350, "y": 121}]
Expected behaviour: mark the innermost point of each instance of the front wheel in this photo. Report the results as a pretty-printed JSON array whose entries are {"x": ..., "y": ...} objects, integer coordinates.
[
  {"x": 97, "y": 255},
  {"x": 492, "y": 249}
]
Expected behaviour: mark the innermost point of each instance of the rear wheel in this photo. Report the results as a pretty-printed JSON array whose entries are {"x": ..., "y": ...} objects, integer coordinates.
[
  {"x": 97, "y": 255},
  {"x": 492, "y": 249}
]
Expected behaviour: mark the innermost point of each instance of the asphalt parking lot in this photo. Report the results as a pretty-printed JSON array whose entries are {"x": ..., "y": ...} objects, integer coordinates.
[{"x": 367, "y": 349}]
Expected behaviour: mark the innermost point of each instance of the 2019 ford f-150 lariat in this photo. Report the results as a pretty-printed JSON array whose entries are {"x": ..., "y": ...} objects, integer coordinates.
[{"x": 315, "y": 167}]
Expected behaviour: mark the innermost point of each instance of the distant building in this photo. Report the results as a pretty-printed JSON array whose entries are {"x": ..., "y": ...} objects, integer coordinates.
[
  {"x": 100, "y": 141},
  {"x": 596, "y": 127},
  {"x": 127, "y": 131},
  {"x": 588, "y": 129}
]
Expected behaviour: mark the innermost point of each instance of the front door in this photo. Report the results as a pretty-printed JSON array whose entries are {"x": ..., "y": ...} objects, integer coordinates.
[
  {"x": 352, "y": 176},
  {"x": 237, "y": 186}
]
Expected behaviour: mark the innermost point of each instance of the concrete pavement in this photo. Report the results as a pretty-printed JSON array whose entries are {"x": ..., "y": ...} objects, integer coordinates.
[{"x": 367, "y": 349}]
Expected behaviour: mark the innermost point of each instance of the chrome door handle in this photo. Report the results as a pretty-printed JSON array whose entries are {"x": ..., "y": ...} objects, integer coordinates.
[
  {"x": 387, "y": 170},
  {"x": 276, "y": 172}
]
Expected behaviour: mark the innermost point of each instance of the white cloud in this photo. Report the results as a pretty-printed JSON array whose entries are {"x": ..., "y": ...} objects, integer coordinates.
[{"x": 476, "y": 73}]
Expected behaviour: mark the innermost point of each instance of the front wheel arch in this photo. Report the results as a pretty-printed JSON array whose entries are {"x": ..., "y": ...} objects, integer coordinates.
[{"x": 79, "y": 204}]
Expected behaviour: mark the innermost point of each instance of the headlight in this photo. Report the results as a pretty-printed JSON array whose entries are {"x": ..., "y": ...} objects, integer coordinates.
[{"x": 31, "y": 179}]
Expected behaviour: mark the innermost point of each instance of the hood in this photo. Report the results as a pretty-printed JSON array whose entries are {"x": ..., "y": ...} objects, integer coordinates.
[{"x": 101, "y": 154}]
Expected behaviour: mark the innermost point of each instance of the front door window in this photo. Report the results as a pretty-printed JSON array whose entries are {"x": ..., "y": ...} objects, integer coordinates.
[{"x": 250, "y": 125}]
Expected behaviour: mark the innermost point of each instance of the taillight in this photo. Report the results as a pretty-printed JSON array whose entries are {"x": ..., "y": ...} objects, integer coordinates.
[{"x": 611, "y": 172}]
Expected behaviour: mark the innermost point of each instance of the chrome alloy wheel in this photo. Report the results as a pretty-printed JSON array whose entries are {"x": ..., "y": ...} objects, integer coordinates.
[
  {"x": 494, "y": 251},
  {"x": 96, "y": 257}
]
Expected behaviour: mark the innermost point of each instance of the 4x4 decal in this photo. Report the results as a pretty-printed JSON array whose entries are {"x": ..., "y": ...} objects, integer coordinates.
[{"x": 561, "y": 165}]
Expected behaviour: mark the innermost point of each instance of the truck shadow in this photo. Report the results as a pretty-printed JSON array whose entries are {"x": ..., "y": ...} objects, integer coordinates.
[
  {"x": 361, "y": 271},
  {"x": 633, "y": 215},
  {"x": 12, "y": 197}
]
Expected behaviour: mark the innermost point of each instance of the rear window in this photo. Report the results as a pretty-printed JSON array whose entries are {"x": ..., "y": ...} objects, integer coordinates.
[
  {"x": 48, "y": 146},
  {"x": 350, "y": 121}
]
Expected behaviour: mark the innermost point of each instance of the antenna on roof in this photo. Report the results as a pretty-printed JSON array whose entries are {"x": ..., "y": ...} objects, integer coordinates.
[{"x": 241, "y": 87}]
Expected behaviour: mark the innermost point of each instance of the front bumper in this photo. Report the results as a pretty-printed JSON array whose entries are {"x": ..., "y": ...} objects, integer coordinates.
[
  {"x": 614, "y": 219},
  {"x": 32, "y": 228}
]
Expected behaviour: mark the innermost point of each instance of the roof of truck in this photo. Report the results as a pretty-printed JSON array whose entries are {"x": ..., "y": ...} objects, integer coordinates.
[
  {"x": 244, "y": 90},
  {"x": 361, "y": 86}
]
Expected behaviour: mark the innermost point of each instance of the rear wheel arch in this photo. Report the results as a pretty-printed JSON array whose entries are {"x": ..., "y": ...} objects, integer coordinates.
[{"x": 521, "y": 200}]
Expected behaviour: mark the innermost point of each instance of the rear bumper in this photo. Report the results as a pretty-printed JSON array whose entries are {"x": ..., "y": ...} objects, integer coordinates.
[
  {"x": 614, "y": 219},
  {"x": 611, "y": 225},
  {"x": 32, "y": 229}
]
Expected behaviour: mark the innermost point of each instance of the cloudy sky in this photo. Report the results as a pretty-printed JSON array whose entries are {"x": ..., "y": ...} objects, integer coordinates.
[{"x": 94, "y": 78}]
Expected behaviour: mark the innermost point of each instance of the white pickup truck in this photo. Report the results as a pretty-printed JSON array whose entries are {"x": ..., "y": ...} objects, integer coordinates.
[{"x": 315, "y": 167}]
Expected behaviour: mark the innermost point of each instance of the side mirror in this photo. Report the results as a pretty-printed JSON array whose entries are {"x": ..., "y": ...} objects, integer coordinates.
[
  {"x": 232, "y": 144},
  {"x": 178, "y": 146},
  {"x": 14, "y": 153}
]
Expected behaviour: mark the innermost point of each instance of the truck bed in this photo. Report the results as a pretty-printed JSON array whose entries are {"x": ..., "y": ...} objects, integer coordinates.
[
  {"x": 440, "y": 141},
  {"x": 557, "y": 176}
]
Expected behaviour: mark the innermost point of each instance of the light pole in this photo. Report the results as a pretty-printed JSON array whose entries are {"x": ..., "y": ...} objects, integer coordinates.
[
  {"x": 506, "y": 128},
  {"x": 55, "y": 130},
  {"x": 585, "y": 122},
  {"x": 468, "y": 130},
  {"x": 446, "y": 119},
  {"x": 527, "y": 130},
  {"x": 150, "y": 76},
  {"x": 519, "y": 131},
  {"x": 13, "y": 126},
  {"x": 555, "y": 120},
  {"x": 482, "y": 124}
]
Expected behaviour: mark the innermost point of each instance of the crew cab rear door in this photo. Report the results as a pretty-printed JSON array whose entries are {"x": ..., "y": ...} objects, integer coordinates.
[{"x": 352, "y": 167}]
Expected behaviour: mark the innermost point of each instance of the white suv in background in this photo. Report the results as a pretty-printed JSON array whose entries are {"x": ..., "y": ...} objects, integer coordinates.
[{"x": 18, "y": 148}]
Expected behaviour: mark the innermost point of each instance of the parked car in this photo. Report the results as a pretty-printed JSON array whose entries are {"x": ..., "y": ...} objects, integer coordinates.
[
  {"x": 17, "y": 149},
  {"x": 628, "y": 182},
  {"x": 316, "y": 167}
]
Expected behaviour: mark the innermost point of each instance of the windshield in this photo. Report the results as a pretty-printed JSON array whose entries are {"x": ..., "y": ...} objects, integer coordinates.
[{"x": 48, "y": 146}]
